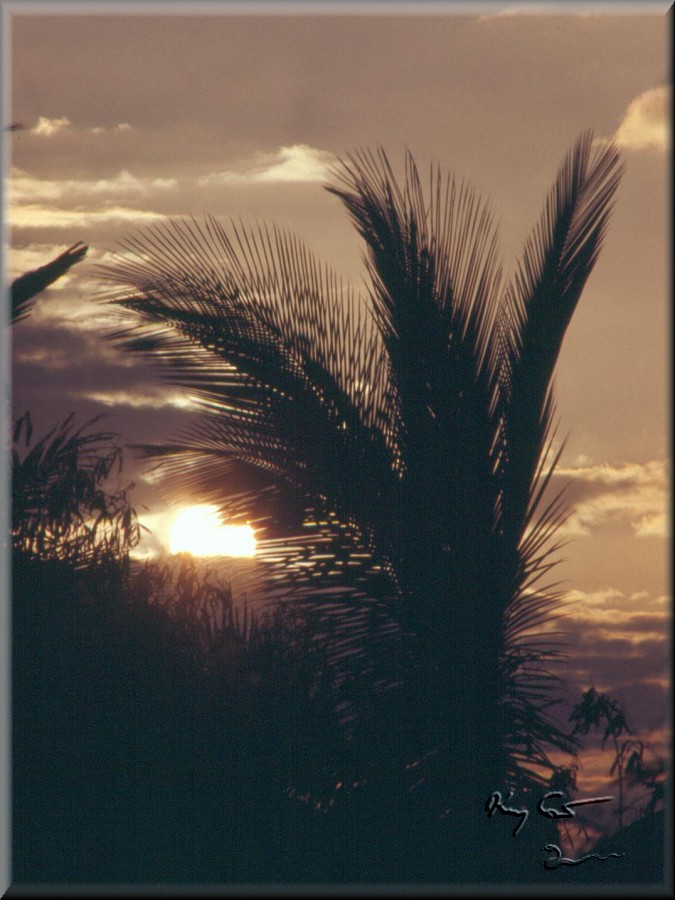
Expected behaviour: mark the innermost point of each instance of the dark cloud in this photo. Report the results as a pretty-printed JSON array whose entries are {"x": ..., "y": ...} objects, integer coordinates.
[{"x": 59, "y": 370}]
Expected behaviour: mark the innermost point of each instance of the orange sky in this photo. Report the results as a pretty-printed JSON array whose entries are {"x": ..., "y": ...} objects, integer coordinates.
[{"x": 130, "y": 118}]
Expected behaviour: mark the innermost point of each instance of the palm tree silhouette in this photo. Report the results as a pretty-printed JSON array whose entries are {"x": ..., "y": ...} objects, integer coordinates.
[{"x": 412, "y": 426}]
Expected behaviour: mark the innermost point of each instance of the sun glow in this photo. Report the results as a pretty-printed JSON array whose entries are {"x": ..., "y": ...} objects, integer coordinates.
[{"x": 197, "y": 530}]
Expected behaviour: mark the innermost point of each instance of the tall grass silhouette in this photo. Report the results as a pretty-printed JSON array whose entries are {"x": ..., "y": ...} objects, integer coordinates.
[{"x": 63, "y": 509}]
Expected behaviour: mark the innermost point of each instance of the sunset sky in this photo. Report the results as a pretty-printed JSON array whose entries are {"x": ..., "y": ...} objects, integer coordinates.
[{"x": 130, "y": 118}]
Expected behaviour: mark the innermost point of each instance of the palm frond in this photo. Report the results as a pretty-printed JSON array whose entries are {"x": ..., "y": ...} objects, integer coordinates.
[
  {"x": 558, "y": 259},
  {"x": 27, "y": 286},
  {"x": 435, "y": 281},
  {"x": 435, "y": 289},
  {"x": 283, "y": 349}
]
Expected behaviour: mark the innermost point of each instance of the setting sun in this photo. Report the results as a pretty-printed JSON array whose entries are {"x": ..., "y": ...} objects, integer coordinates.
[{"x": 197, "y": 530}]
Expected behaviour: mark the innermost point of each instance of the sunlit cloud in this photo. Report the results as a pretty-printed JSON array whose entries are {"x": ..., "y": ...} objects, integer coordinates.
[
  {"x": 646, "y": 123},
  {"x": 35, "y": 216},
  {"x": 611, "y": 603},
  {"x": 652, "y": 526},
  {"x": 99, "y": 129},
  {"x": 576, "y": 8},
  {"x": 72, "y": 312},
  {"x": 46, "y": 127},
  {"x": 623, "y": 624},
  {"x": 296, "y": 163},
  {"x": 25, "y": 189},
  {"x": 157, "y": 398},
  {"x": 508, "y": 12},
  {"x": 50, "y": 358},
  {"x": 632, "y": 494},
  {"x": 71, "y": 339},
  {"x": 39, "y": 202},
  {"x": 604, "y": 597},
  {"x": 627, "y": 474}
]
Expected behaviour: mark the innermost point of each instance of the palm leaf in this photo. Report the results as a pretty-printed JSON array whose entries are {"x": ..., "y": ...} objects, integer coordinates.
[
  {"x": 26, "y": 287},
  {"x": 558, "y": 259}
]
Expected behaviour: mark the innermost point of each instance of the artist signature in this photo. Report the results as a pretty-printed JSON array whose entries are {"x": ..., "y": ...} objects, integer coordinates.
[
  {"x": 559, "y": 860},
  {"x": 560, "y": 810}
]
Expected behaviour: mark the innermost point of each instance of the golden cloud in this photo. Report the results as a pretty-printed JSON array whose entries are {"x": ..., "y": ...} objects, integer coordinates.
[
  {"x": 122, "y": 126},
  {"x": 25, "y": 188},
  {"x": 633, "y": 493},
  {"x": 652, "y": 526},
  {"x": 508, "y": 12},
  {"x": 33, "y": 215},
  {"x": 296, "y": 163},
  {"x": 46, "y": 127},
  {"x": 150, "y": 399},
  {"x": 646, "y": 123}
]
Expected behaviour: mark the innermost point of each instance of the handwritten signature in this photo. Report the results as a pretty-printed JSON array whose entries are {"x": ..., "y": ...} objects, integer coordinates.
[
  {"x": 559, "y": 860},
  {"x": 563, "y": 810}
]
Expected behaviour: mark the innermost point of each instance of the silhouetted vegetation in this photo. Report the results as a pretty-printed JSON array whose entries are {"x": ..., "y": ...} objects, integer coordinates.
[
  {"x": 62, "y": 509},
  {"x": 396, "y": 447},
  {"x": 351, "y": 727},
  {"x": 599, "y": 711}
]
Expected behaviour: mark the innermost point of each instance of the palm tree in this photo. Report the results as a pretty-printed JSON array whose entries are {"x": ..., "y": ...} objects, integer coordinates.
[{"x": 412, "y": 426}]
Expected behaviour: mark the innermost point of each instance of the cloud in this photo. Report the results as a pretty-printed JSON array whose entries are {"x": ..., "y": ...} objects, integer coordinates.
[
  {"x": 33, "y": 215},
  {"x": 611, "y": 604},
  {"x": 580, "y": 9},
  {"x": 45, "y": 344},
  {"x": 25, "y": 188},
  {"x": 49, "y": 358},
  {"x": 155, "y": 398},
  {"x": 618, "y": 624},
  {"x": 646, "y": 123},
  {"x": 116, "y": 129},
  {"x": 508, "y": 12},
  {"x": 619, "y": 644},
  {"x": 46, "y": 127},
  {"x": 604, "y": 597},
  {"x": 297, "y": 163},
  {"x": 562, "y": 7},
  {"x": 630, "y": 495},
  {"x": 652, "y": 526},
  {"x": 74, "y": 309},
  {"x": 49, "y": 127}
]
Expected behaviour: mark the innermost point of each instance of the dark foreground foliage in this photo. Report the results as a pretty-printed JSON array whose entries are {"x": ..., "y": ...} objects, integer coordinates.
[
  {"x": 159, "y": 738},
  {"x": 142, "y": 755},
  {"x": 394, "y": 447}
]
